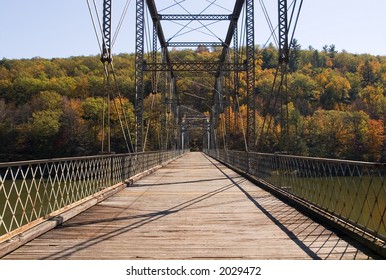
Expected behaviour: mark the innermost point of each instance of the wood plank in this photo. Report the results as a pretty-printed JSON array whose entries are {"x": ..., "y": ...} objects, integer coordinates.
[{"x": 193, "y": 208}]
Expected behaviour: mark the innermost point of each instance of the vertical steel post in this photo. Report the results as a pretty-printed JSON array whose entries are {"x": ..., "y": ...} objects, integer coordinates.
[
  {"x": 236, "y": 60},
  {"x": 164, "y": 104},
  {"x": 177, "y": 116},
  {"x": 283, "y": 63},
  {"x": 250, "y": 41},
  {"x": 106, "y": 57},
  {"x": 154, "y": 73},
  {"x": 139, "y": 86},
  {"x": 283, "y": 32},
  {"x": 228, "y": 109},
  {"x": 106, "y": 42}
]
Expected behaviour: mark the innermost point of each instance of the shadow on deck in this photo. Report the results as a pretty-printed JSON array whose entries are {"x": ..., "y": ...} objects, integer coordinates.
[{"x": 193, "y": 208}]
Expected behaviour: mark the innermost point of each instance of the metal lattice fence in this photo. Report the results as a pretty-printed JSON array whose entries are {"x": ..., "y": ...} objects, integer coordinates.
[
  {"x": 31, "y": 190},
  {"x": 351, "y": 191}
]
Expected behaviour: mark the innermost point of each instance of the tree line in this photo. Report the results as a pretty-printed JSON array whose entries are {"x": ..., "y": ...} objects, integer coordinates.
[{"x": 336, "y": 104}]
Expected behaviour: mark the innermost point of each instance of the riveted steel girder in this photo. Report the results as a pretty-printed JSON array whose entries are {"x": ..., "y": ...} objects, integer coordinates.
[
  {"x": 194, "y": 44},
  {"x": 195, "y": 67},
  {"x": 139, "y": 85},
  {"x": 191, "y": 17},
  {"x": 106, "y": 40},
  {"x": 283, "y": 31},
  {"x": 232, "y": 25},
  {"x": 158, "y": 27},
  {"x": 250, "y": 41}
]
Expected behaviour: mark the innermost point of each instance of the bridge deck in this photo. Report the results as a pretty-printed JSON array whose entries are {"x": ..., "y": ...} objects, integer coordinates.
[{"x": 194, "y": 208}]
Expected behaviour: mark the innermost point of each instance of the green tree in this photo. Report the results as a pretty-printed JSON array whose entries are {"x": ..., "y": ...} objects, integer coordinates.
[
  {"x": 346, "y": 62},
  {"x": 294, "y": 58},
  {"x": 74, "y": 138},
  {"x": 47, "y": 100},
  {"x": 304, "y": 93},
  {"x": 94, "y": 109},
  {"x": 270, "y": 57},
  {"x": 368, "y": 73},
  {"x": 42, "y": 129},
  {"x": 25, "y": 89},
  {"x": 336, "y": 89},
  {"x": 122, "y": 125}
]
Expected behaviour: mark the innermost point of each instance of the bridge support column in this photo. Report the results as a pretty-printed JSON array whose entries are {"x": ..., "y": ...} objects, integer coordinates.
[
  {"x": 250, "y": 36},
  {"x": 139, "y": 85}
]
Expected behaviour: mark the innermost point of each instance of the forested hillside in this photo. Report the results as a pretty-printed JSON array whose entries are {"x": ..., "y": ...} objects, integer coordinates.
[{"x": 336, "y": 104}]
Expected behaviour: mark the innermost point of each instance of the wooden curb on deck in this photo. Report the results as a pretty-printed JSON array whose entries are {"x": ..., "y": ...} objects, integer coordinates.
[{"x": 36, "y": 228}]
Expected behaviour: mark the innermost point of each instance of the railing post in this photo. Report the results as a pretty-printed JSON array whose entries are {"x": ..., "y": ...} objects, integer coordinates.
[
  {"x": 111, "y": 170},
  {"x": 248, "y": 162}
]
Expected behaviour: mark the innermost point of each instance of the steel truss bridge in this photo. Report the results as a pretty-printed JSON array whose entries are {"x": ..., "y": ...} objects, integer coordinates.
[
  {"x": 217, "y": 69},
  {"x": 37, "y": 196}
]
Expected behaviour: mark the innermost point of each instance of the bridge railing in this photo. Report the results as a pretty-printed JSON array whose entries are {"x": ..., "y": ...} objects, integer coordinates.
[
  {"x": 32, "y": 190},
  {"x": 349, "y": 192}
]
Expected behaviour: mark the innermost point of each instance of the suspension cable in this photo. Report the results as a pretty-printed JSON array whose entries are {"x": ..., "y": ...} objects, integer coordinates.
[
  {"x": 122, "y": 107},
  {"x": 268, "y": 19},
  {"x": 219, "y": 6},
  {"x": 262, "y": 136},
  {"x": 171, "y": 6},
  {"x": 148, "y": 123},
  {"x": 148, "y": 34},
  {"x": 242, "y": 124},
  {"x": 120, "y": 23},
  {"x": 106, "y": 77},
  {"x": 94, "y": 25},
  {"x": 98, "y": 18},
  {"x": 120, "y": 120},
  {"x": 296, "y": 21},
  {"x": 191, "y": 29},
  {"x": 112, "y": 87},
  {"x": 282, "y": 68},
  {"x": 202, "y": 25}
]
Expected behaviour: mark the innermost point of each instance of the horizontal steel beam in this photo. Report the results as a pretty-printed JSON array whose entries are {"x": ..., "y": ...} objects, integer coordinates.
[
  {"x": 193, "y": 44},
  {"x": 195, "y": 66},
  {"x": 195, "y": 17}
]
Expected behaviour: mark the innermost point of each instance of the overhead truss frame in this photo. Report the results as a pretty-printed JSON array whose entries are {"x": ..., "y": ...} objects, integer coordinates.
[{"x": 217, "y": 69}]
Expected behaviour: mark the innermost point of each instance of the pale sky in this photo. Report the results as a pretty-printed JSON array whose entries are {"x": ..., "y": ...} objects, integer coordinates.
[{"x": 63, "y": 28}]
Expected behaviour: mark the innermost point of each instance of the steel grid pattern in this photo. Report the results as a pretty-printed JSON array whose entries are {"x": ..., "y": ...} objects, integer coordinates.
[
  {"x": 106, "y": 44},
  {"x": 283, "y": 31},
  {"x": 195, "y": 67},
  {"x": 139, "y": 79},
  {"x": 31, "y": 190},
  {"x": 250, "y": 29},
  {"x": 191, "y": 17},
  {"x": 194, "y": 44}
]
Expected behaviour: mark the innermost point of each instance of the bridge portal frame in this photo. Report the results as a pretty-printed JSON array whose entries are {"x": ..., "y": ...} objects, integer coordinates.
[{"x": 222, "y": 66}]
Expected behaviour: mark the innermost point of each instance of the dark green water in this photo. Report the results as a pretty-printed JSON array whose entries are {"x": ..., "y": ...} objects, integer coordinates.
[
  {"x": 27, "y": 200},
  {"x": 361, "y": 200}
]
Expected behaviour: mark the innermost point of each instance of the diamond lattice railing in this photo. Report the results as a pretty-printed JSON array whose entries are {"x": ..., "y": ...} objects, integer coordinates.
[
  {"x": 34, "y": 189},
  {"x": 354, "y": 192}
]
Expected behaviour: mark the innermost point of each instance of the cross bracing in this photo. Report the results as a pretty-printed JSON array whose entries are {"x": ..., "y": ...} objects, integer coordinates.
[{"x": 225, "y": 42}]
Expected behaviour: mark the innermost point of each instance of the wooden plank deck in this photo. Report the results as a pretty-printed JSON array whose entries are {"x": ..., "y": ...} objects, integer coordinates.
[{"x": 193, "y": 208}]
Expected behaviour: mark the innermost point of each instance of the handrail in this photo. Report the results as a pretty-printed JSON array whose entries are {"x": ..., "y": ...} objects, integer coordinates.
[
  {"x": 32, "y": 190},
  {"x": 352, "y": 193},
  {"x": 326, "y": 159},
  {"x": 36, "y": 161}
]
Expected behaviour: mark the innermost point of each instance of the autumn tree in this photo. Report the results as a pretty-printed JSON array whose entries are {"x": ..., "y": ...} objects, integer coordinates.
[{"x": 336, "y": 103}]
